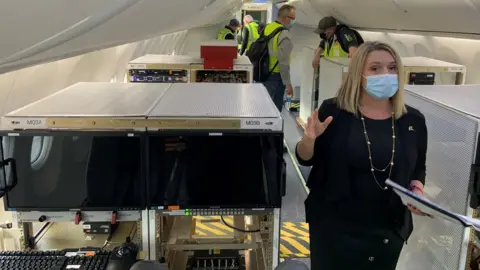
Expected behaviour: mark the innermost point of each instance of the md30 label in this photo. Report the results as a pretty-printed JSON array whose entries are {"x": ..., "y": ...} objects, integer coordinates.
[
  {"x": 259, "y": 124},
  {"x": 252, "y": 123}
]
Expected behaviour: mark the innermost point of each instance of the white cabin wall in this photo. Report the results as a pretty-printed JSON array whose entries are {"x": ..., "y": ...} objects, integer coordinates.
[
  {"x": 455, "y": 50},
  {"x": 18, "y": 88}
]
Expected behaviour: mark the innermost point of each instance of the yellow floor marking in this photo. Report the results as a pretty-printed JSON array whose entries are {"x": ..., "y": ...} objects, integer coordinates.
[
  {"x": 306, "y": 239},
  {"x": 305, "y": 225},
  {"x": 204, "y": 227},
  {"x": 284, "y": 250},
  {"x": 297, "y": 245},
  {"x": 286, "y": 234},
  {"x": 222, "y": 226},
  {"x": 298, "y": 231},
  {"x": 290, "y": 224},
  {"x": 296, "y": 255},
  {"x": 217, "y": 224},
  {"x": 228, "y": 219},
  {"x": 197, "y": 231}
]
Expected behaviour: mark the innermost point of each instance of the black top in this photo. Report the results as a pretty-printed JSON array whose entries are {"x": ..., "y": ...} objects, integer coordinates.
[
  {"x": 322, "y": 44},
  {"x": 344, "y": 35},
  {"x": 231, "y": 35},
  {"x": 371, "y": 199},
  {"x": 341, "y": 151},
  {"x": 245, "y": 35}
]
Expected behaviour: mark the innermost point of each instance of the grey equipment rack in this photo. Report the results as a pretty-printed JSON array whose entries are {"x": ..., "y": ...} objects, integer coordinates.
[
  {"x": 452, "y": 114},
  {"x": 89, "y": 106},
  {"x": 215, "y": 108},
  {"x": 83, "y": 107},
  {"x": 172, "y": 68}
]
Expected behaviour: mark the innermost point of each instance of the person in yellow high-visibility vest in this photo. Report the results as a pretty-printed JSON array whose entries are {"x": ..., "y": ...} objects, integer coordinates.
[
  {"x": 250, "y": 33},
  {"x": 279, "y": 50},
  {"x": 229, "y": 31},
  {"x": 336, "y": 40}
]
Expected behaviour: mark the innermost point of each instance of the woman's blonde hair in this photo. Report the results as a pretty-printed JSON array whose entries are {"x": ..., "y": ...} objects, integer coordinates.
[{"x": 348, "y": 96}]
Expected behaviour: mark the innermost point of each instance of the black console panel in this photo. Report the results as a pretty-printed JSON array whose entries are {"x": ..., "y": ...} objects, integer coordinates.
[
  {"x": 159, "y": 75},
  {"x": 60, "y": 171},
  {"x": 119, "y": 171},
  {"x": 229, "y": 171}
]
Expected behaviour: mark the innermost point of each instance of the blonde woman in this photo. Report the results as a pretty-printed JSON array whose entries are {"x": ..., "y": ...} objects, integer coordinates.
[{"x": 354, "y": 142}]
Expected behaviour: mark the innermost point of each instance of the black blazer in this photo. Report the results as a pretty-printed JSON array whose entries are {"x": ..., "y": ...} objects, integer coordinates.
[{"x": 329, "y": 178}]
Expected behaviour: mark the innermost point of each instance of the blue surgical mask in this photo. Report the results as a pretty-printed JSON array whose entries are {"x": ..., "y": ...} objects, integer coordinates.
[
  {"x": 382, "y": 86},
  {"x": 291, "y": 24}
]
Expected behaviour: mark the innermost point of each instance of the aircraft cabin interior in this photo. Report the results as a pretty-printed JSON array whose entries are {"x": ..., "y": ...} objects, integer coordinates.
[{"x": 132, "y": 138}]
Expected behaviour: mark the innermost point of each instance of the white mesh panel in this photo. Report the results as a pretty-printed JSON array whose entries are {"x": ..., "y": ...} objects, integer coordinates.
[{"x": 437, "y": 244}]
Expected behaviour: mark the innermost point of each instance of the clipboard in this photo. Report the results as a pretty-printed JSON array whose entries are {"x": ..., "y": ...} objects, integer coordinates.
[{"x": 431, "y": 209}]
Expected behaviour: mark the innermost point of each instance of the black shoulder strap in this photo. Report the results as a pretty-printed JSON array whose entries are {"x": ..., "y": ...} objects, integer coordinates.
[{"x": 276, "y": 31}]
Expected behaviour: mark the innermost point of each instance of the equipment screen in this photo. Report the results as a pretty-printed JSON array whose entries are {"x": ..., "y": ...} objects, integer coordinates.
[
  {"x": 222, "y": 76},
  {"x": 85, "y": 171},
  {"x": 229, "y": 171},
  {"x": 422, "y": 78}
]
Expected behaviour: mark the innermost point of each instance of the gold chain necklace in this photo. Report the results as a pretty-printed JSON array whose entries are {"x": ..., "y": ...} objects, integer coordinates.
[{"x": 390, "y": 163}]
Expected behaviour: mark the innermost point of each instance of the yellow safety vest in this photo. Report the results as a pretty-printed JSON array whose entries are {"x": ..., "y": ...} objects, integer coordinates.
[
  {"x": 223, "y": 33},
  {"x": 252, "y": 33},
  {"x": 273, "y": 45},
  {"x": 335, "y": 51}
]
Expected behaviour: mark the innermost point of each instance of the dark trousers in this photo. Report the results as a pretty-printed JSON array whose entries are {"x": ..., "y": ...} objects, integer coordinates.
[
  {"x": 276, "y": 89},
  {"x": 335, "y": 246}
]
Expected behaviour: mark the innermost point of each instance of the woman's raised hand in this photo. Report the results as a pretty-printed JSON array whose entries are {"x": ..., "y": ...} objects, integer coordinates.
[{"x": 315, "y": 127}]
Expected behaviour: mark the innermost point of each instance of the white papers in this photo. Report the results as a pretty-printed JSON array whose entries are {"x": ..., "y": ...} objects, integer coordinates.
[{"x": 431, "y": 209}]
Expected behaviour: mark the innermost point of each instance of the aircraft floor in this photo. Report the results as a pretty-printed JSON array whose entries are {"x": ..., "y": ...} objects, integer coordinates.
[
  {"x": 293, "y": 133},
  {"x": 294, "y": 241}
]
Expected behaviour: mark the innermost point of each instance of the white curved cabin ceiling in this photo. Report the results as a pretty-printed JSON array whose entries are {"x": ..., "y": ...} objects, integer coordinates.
[
  {"x": 450, "y": 16},
  {"x": 34, "y": 32},
  {"x": 58, "y": 29}
]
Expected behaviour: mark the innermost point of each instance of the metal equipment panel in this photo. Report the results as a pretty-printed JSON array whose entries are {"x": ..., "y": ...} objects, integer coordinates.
[
  {"x": 101, "y": 102},
  {"x": 240, "y": 61},
  {"x": 87, "y": 216},
  {"x": 452, "y": 140},
  {"x": 420, "y": 61},
  {"x": 96, "y": 100},
  {"x": 462, "y": 98},
  {"x": 246, "y": 106},
  {"x": 424, "y": 64},
  {"x": 158, "y": 68},
  {"x": 242, "y": 71},
  {"x": 216, "y": 100},
  {"x": 176, "y": 237},
  {"x": 163, "y": 59}
]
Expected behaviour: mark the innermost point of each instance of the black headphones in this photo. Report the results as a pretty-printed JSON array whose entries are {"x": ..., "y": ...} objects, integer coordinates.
[{"x": 126, "y": 248}]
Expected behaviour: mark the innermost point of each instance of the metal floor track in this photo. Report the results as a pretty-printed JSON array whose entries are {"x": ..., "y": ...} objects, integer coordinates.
[{"x": 294, "y": 242}]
